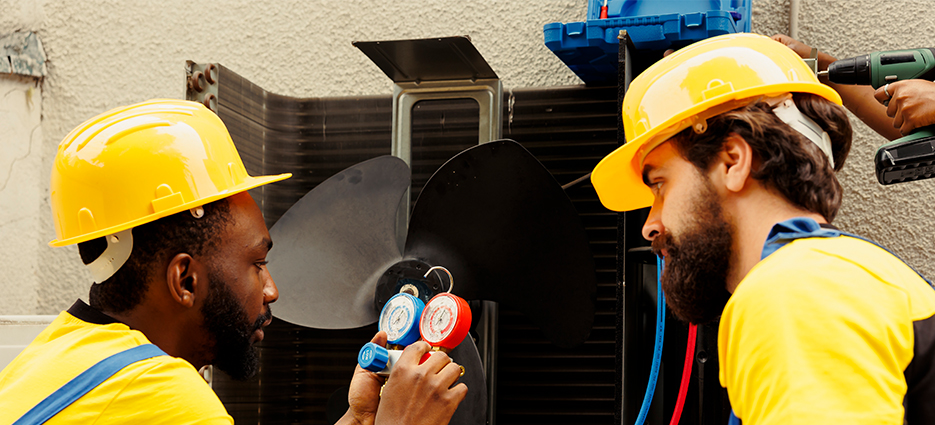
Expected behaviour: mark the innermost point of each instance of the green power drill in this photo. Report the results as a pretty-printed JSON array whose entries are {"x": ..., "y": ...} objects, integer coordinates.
[{"x": 911, "y": 157}]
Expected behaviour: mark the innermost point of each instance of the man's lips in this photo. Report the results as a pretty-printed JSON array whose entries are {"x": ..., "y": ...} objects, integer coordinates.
[{"x": 259, "y": 333}]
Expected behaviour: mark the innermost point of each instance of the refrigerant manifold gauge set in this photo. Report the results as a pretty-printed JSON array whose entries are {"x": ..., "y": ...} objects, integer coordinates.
[{"x": 443, "y": 323}]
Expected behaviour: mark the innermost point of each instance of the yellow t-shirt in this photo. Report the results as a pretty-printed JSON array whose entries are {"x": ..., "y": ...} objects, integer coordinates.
[
  {"x": 159, "y": 390},
  {"x": 821, "y": 332}
]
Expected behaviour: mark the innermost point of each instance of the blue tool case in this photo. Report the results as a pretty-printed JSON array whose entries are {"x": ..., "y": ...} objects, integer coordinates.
[{"x": 590, "y": 48}]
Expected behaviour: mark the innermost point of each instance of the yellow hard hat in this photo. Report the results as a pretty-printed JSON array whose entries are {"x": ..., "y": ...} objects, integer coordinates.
[
  {"x": 686, "y": 88},
  {"x": 133, "y": 165}
]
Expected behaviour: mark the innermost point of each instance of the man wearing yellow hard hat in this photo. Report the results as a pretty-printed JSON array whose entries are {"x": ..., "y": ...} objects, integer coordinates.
[
  {"x": 154, "y": 194},
  {"x": 733, "y": 142}
]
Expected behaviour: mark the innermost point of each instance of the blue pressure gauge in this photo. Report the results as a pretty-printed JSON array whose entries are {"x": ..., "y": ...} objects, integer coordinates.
[{"x": 400, "y": 319}]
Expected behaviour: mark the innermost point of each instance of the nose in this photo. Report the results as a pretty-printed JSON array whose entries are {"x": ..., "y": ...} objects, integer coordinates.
[
  {"x": 653, "y": 226},
  {"x": 270, "y": 291}
]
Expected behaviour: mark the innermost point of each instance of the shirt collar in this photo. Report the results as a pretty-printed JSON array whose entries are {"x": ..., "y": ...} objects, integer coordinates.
[
  {"x": 86, "y": 313},
  {"x": 796, "y": 228}
]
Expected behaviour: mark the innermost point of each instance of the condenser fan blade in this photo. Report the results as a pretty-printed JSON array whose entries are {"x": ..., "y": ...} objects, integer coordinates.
[
  {"x": 498, "y": 220},
  {"x": 473, "y": 410},
  {"x": 333, "y": 244}
]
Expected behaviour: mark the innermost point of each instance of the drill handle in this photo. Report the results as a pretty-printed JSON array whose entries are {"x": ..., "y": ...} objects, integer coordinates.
[{"x": 898, "y": 65}]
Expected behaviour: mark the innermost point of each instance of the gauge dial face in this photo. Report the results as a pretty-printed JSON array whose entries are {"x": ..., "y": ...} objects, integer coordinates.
[
  {"x": 398, "y": 317},
  {"x": 439, "y": 319}
]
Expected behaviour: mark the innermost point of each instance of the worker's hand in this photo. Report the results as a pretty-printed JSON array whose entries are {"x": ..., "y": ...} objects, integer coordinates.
[
  {"x": 911, "y": 103},
  {"x": 804, "y": 50},
  {"x": 800, "y": 48},
  {"x": 363, "y": 396},
  {"x": 421, "y": 394},
  {"x": 857, "y": 99}
]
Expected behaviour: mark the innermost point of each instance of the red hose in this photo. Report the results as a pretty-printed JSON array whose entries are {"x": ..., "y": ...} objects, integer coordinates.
[{"x": 686, "y": 375}]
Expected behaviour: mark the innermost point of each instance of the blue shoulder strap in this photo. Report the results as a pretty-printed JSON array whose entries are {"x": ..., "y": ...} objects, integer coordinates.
[
  {"x": 733, "y": 420},
  {"x": 800, "y": 227},
  {"x": 795, "y": 228},
  {"x": 85, "y": 382}
]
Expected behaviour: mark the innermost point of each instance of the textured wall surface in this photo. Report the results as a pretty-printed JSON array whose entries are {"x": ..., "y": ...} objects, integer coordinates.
[
  {"x": 106, "y": 53},
  {"x": 20, "y": 191}
]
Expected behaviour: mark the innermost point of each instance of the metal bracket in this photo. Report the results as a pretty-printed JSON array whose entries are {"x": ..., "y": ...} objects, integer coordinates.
[
  {"x": 488, "y": 94},
  {"x": 436, "y": 69},
  {"x": 812, "y": 60},
  {"x": 201, "y": 84}
]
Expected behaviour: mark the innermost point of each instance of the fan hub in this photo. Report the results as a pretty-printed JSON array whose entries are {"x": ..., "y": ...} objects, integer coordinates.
[{"x": 407, "y": 276}]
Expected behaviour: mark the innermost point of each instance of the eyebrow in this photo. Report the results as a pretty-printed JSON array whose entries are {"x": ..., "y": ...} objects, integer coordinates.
[
  {"x": 265, "y": 241},
  {"x": 646, "y": 170}
]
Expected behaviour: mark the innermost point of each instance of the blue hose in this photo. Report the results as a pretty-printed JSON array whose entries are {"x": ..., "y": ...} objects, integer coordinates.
[{"x": 657, "y": 351}]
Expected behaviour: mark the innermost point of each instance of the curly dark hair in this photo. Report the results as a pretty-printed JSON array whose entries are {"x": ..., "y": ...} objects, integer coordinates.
[
  {"x": 784, "y": 160},
  {"x": 154, "y": 244}
]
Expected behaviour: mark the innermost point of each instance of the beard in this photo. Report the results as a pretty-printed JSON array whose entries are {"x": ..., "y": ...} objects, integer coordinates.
[
  {"x": 698, "y": 261},
  {"x": 228, "y": 325}
]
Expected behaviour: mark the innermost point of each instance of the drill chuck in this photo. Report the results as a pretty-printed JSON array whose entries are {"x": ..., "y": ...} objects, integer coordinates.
[{"x": 854, "y": 70}]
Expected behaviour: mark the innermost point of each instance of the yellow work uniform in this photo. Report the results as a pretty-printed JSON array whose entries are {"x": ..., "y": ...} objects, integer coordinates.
[
  {"x": 158, "y": 390},
  {"x": 829, "y": 330}
]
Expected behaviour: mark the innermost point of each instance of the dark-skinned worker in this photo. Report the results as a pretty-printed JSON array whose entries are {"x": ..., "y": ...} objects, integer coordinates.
[
  {"x": 911, "y": 103},
  {"x": 734, "y": 143},
  {"x": 154, "y": 194}
]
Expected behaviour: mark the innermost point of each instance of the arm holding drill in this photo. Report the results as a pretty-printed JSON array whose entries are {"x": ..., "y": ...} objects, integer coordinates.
[{"x": 859, "y": 99}]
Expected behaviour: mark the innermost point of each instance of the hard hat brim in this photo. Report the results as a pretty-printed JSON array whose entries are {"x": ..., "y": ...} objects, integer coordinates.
[
  {"x": 249, "y": 183},
  {"x": 616, "y": 172}
]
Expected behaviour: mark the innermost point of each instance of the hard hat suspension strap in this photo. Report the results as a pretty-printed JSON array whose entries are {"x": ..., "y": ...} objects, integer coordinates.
[{"x": 119, "y": 247}]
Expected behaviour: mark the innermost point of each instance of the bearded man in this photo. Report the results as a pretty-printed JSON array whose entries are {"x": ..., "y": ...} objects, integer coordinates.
[
  {"x": 734, "y": 143},
  {"x": 154, "y": 194}
]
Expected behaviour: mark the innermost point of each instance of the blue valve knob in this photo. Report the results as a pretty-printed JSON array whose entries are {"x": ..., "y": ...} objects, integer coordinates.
[{"x": 373, "y": 357}]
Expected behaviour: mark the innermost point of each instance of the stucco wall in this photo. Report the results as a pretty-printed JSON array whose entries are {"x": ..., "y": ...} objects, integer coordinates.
[
  {"x": 20, "y": 191},
  {"x": 103, "y": 54}
]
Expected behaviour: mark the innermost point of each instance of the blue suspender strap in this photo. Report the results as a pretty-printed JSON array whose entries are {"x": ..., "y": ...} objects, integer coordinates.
[
  {"x": 796, "y": 228},
  {"x": 85, "y": 382},
  {"x": 734, "y": 420}
]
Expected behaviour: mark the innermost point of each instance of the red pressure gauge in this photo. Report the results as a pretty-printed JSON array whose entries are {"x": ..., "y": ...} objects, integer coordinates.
[{"x": 446, "y": 320}]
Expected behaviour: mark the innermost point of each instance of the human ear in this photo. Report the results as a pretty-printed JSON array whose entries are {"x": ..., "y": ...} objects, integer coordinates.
[
  {"x": 736, "y": 158},
  {"x": 182, "y": 278}
]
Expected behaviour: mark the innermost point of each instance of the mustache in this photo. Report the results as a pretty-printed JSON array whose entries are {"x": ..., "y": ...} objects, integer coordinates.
[
  {"x": 262, "y": 318},
  {"x": 663, "y": 242}
]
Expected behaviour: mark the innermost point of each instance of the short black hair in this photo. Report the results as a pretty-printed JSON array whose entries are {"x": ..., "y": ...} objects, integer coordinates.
[
  {"x": 788, "y": 162},
  {"x": 154, "y": 244}
]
